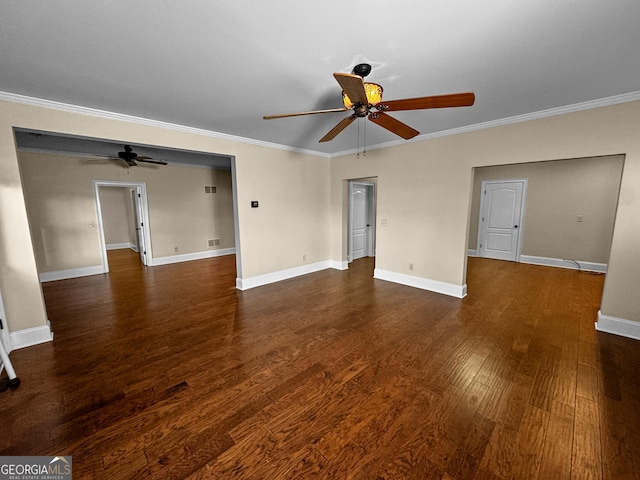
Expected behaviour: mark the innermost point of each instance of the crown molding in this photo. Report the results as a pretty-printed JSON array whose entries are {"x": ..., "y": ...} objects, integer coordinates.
[
  {"x": 93, "y": 112},
  {"x": 551, "y": 112}
]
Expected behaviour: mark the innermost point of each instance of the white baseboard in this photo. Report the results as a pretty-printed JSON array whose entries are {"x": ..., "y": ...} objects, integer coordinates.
[
  {"x": 30, "y": 336},
  {"x": 98, "y": 269},
  {"x": 564, "y": 263},
  {"x": 120, "y": 246},
  {"x": 186, "y": 257},
  {"x": 71, "y": 273},
  {"x": 458, "y": 291},
  {"x": 338, "y": 265},
  {"x": 267, "y": 278},
  {"x": 618, "y": 326},
  {"x": 556, "y": 262}
]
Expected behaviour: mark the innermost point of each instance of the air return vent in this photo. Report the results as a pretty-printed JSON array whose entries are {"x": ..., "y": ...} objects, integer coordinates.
[
  {"x": 210, "y": 189},
  {"x": 214, "y": 242}
]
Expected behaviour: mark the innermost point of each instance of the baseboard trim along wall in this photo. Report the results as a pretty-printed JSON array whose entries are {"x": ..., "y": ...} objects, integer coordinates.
[
  {"x": 120, "y": 246},
  {"x": 337, "y": 265},
  {"x": 30, "y": 336},
  {"x": 556, "y": 262},
  {"x": 565, "y": 263},
  {"x": 458, "y": 291},
  {"x": 98, "y": 269},
  {"x": 267, "y": 278},
  {"x": 71, "y": 273},
  {"x": 618, "y": 326},
  {"x": 186, "y": 257}
]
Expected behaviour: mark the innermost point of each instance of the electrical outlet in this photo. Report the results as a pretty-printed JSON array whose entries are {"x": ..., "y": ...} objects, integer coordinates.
[
  {"x": 579, "y": 218},
  {"x": 304, "y": 257},
  {"x": 175, "y": 249},
  {"x": 411, "y": 266}
]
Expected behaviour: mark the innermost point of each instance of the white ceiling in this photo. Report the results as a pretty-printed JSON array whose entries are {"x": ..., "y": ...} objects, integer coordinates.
[{"x": 222, "y": 65}]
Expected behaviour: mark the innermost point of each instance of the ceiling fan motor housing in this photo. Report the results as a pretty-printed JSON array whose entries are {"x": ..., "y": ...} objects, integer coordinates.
[
  {"x": 362, "y": 69},
  {"x": 361, "y": 110}
]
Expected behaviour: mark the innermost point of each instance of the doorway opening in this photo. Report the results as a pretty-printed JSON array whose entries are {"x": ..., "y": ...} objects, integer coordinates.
[
  {"x": 362, "y": 219},
  {"x": 127, "y": 200},
  {"x": 570, "y": 212}
]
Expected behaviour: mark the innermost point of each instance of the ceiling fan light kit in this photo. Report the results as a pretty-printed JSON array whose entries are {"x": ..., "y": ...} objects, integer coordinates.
[
  {"x": 365, "y": 99},
  {"x": 373, "y": 92}
]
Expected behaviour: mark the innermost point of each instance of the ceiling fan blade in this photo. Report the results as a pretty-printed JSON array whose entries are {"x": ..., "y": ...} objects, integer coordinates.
[
  {"x": 344, "y": 123},
  {"x": 149, "y": 160},
  {"x": 313, "y": 112},
  {"x": 437, "y": 101},
  {"x": 353, "y": 86},
  {"x": 395, "y": 126}
]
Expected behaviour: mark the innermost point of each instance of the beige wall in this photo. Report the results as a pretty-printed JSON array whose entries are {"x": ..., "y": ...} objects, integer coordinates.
[
  {"x": 557, "y": 192},
  {"x": 425, "y": 190},
  {"x": 270, "y": 238},
  {"x": 60, "y": 197},
  {"x": 292, "y": 218},
  {"x": 424, "y": 194}
]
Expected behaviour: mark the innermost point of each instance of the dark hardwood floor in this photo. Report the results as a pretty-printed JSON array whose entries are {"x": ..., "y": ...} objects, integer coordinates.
[{"x": 169, "y": 372}]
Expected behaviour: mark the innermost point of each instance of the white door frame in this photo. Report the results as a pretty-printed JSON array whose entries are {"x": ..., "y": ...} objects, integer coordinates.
[
  {"x": 4, "y": 333},
  {"x": 142, "y": 206},
  {"x": 370, "y": 188},
  {"x": 522, "y": 210}
]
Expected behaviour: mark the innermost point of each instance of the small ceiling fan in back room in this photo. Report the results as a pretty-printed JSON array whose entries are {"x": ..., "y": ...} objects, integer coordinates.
[
  {"x": 131, "y": 158},
  {"x": 365, "y": 100}
]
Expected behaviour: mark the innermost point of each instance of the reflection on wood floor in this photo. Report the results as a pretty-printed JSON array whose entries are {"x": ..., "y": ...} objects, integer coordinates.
[{"x": 169, "y": 372}]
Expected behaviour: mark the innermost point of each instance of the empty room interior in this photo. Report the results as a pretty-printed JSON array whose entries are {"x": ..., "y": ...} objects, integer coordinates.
[{"x": 270, "y": 240}]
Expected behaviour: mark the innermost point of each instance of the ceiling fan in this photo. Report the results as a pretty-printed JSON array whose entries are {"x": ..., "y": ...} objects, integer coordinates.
[
  {"x": 365, "y": 99},
  {"x": 131, "y": 158}
]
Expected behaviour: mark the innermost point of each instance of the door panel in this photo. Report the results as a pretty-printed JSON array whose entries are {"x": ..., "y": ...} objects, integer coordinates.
[
  {"x": 358, "y": 221},
  {"x": 500, "y": 219},
  {"x": 142, "y": 248}
]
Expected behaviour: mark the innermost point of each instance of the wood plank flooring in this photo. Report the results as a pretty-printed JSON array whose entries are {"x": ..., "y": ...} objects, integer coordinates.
[{"x": 169, "y": 372}]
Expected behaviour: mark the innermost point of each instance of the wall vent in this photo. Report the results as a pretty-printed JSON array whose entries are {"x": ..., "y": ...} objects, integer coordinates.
[
  {"x": 214, "y": 242},
  {"x": 210, "y": 189}
]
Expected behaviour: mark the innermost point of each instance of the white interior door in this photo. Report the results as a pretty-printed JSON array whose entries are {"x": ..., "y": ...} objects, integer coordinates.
[
  {"x": 140, "y": 226},
  {"x": 359, "y": 216},
  {"x": 501, "y": 213}
]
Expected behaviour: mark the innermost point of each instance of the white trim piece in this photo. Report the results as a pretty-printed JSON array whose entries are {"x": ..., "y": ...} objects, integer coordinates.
[
  {"x": 30, "y": 336},
  {"x": 187, "y": 257},
  {"x": 72, "y": 273},
  {"x": 577, "y": 107},
  {"x": 472, "y": 252},
  {"x": 565, "y": 263},
  {"x": 121, "y": 246},
  {"x": 458, "y": 291},
  {"x": 273, "y": 277},
  {"x": 618, "y": 326},
  {"x": 551, "y": 112},
  {"x": 339, "y": 265},
  {"x": 66, "y": 107}
]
